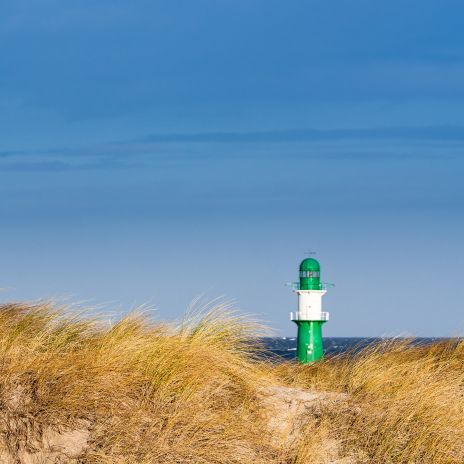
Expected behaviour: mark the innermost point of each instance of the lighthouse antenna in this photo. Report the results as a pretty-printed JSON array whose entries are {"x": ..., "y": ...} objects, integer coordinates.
[{"x": 293, "y": 285}]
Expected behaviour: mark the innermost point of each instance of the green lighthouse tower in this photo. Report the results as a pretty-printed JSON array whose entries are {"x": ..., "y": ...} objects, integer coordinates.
[{"x": 309, "y": 318}]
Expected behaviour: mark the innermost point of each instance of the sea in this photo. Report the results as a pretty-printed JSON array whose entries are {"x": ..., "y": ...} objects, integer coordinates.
[{"x": 285, "y": 347}]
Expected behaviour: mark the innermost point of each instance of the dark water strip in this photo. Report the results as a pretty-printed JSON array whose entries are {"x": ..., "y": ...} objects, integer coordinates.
[{"x": 285, "y": 347}]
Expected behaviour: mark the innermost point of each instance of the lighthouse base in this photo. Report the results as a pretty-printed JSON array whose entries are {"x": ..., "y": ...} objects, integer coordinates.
[{"x": 309, "y": 343}]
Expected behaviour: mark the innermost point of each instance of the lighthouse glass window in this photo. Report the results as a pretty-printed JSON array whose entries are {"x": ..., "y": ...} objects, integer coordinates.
[{"x": 309, "y": 274}]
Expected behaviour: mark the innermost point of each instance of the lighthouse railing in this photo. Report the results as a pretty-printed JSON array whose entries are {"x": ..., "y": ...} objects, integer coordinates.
[{"x": 299, "y": 316}]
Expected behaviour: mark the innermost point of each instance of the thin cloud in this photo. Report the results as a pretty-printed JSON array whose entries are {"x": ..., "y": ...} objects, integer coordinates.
[
  {"x": 443, "y": 133},
  {"x": 167, "y": 150},
  {"x": 44, "y": 165}
]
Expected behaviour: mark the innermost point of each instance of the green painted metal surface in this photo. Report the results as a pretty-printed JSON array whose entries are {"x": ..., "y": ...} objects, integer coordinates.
[
  {"x": 310, "y": 274},
  {"x": 309, "y": 344}
]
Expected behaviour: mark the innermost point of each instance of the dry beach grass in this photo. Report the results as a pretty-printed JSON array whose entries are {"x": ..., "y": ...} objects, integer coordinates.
[
  {"x": 76, "y": 390},
  {"x": 406, "y": 402}
]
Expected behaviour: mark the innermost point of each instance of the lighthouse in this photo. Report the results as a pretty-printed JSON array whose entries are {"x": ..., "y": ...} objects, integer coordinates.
[{"x": 309, "y": 318}]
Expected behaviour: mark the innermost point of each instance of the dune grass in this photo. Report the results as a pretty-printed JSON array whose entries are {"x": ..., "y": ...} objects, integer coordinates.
[
  {"x": 149, "y": 392},
  {"x": 405, "y": 402}
]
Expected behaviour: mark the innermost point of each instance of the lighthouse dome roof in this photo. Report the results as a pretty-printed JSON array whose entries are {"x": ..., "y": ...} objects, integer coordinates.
[{"x": 310, "y": 264}]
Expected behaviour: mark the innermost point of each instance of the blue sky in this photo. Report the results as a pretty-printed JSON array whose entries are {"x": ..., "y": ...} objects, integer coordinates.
[{"x": 154, "y": 151}]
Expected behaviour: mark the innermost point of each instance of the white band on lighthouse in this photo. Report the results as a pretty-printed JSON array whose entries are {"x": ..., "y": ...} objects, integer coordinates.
[{"x": 310, "y": 306}]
